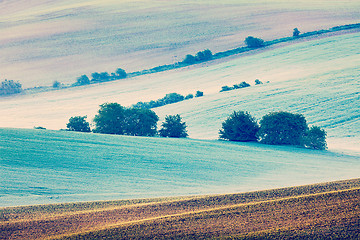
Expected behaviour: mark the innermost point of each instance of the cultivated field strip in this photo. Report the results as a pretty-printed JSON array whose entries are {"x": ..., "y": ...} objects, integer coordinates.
[{"x": 191, "y": 217}]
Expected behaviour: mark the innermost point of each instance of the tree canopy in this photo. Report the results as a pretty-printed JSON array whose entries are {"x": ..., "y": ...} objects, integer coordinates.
[
  {"x": 173, "y": 127},
  {"x": 78, "y": 124}
]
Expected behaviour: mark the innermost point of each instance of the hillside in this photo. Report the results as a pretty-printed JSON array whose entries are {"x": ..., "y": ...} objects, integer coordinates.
[
  {"x": 318, "y": 78},
  {"x": 318, "y": 211},
  {"x": 43, "y": 40},
  {"x": 39, "y": 167}
]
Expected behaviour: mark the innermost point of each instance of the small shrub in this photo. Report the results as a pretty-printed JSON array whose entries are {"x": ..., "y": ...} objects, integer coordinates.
[
  {"x": 315, "y": 138},
  {"x": 78, "y": 124},
  {"x": 56, "y": 84},
  {"x": 239, "y": 126},
  {"x": 282, "y": 128},
  {"x": 253, "y": 42},
  {"x": 257, "y": 82},
  {"x": 9, "y": 87},
  {"x": 173, "y": 127},
  {"x": 199, "y": 94},
  {"x": 296, "y": 32}
]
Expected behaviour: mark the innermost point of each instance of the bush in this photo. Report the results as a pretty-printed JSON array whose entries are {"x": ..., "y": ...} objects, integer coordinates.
[
  {"x": 10, "y": 87},
  {"x": 83, "y": 80},
  {"x": 226, "y": 88},
  {"x": 241, "y": 85},
  {"x": 203, "y": 55},
  {"x": 296, "y": 32},
  {"x": 315, "y": 138},
  {"x": 257, "y": 82},
  {"x": 199, "y": 94},
  {"x": 239, "y": 126},
  {"x": 253, "y": 42},
  {"x": 173, "y": 127},
  {"x": 100, "y": 77},
  {"x": 56, "y": 84},
  {"x": 78, "y": 124},
  {"x": 189, "y": 96},
  {"x": 282, "y": 128}
]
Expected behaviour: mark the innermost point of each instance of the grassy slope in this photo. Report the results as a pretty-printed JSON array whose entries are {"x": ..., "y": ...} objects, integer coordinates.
[
  {"x": 328, "y": 209},
  {"x": 60, "y": 40},
  {"x": 40, "y": 167},
  {"x": 318, "y": 78}
]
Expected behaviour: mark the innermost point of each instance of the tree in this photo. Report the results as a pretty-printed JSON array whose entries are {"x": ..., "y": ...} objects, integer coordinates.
[
  {"x": 296, "y": 32},
  {"x": 56, "y": 84},
  {"x": 189, "y": 59},
  {"x": 257, "y": 82},
  {"x": 120, "y": 73},
  {"x": 110, "y": 119},
  {"x": 203, "y": 55},
  {"x": 173, "y": 127},
  {"x": 199, "y": 94},
  {"x": 315, "y": 138},
  {"x": 140, "y": 122},
  {"x": 253, "y": 42},
  {"x": 83, "y": 80},
  {"x": 8, "y": 87},
  {"x": 282, "y": 128},
  {"x": 78, "y": 124},
  {"x": 239, "y": 126}
]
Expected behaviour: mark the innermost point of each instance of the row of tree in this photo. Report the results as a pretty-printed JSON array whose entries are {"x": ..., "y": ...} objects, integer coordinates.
[
  {"x": 101, "y": 77},
  {"x": 168, "y": 99},
  {"x": 275, "y": 128},
  {"x": 9, "y": 87},
  {"x": 112, "y": 118}
]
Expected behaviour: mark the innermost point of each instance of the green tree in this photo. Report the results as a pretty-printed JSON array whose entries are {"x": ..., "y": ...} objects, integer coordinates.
[
  {"x": 140, "y": 122},
  {"x": 110, "y": 119},
  {"x": 120, "y": 73},
  {"x": 173, "y": 127},
  {"x": 282, "y": 128},
  {"x": 189, "y": 59},
  {"x": 78, "y": 124},
  {"x": 239, "y": 126},
  {"x": 315, "y": 138},
  {"x": 8, "y": 87},
  {"x": 253, "y": 42},
  {"x": 83, "y": 80},
  {"x": 199, "y": 94}
]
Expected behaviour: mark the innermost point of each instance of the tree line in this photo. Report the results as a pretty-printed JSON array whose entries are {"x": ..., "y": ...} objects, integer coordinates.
[{"x": 275, "y": 128}]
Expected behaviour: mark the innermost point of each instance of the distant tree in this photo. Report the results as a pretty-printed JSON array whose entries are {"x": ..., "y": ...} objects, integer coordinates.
[
  {"x": 110, "y": 119},
  {"x": 173, "y": 127},
  {"x": 257, "y": 82},
  {"x": 226, "y": 88},
  {"x": 95, "y": 77},
  {"x": 253, "y": 42},
  {"x": 8, "y": 87},
  {"x": 189, "y": 96},
  {"x": 83, "y": 80},
  {"x": 296, "y": 32},
  {"x": 199, "y": 94},
  {"x": 78, "y": 124},
  {"x": 315, "y": 138},
  {"x": 203, "y": 55},
  {"x": 100, "y": 77},
  {"x": 241, "y": 85},
  {"x": 239, "y": 126},
  {"x": 172, "y": 98},
  {"x": 120, "y": 73},
  {"x": 189, "y": 59},
  {"x": 140, "y": 122},
  {"x": 282, "y": 128},
  {"x": 56, "y": 84}
]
